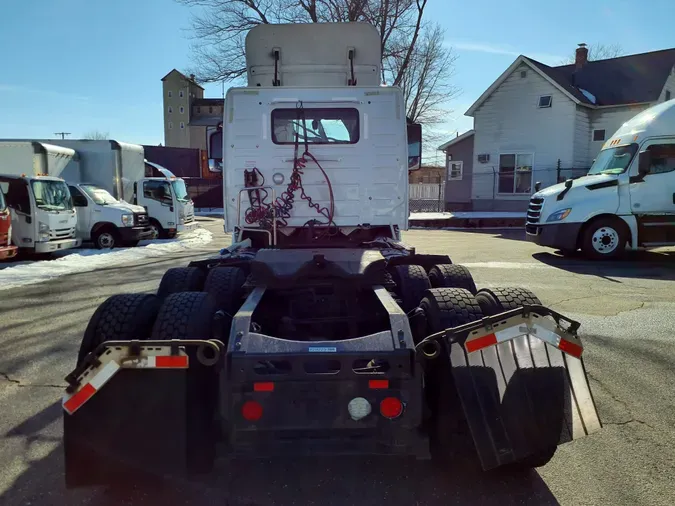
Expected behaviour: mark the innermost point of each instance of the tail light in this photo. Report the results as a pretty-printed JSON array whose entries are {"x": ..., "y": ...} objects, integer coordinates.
[
  {"x": 252, "y": 411},
  {"x": 391, "y": 407}
]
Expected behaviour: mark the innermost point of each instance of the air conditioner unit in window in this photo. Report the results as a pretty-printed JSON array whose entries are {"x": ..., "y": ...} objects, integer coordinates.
[{"x": 485, "y": 158}]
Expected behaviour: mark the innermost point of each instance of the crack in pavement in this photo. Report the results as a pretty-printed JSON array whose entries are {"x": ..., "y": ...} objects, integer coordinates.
[
  {"x": 18, "y": 383},
  {"x": 632, "y": 420}
]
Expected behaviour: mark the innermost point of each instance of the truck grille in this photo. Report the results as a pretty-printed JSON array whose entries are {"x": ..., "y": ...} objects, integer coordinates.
[
  {"x": 141, "y": 219},
  {"x": 534, "y": 211},
  {"x": 61, "y": 233},
  {"x": 189, "y": 218}
]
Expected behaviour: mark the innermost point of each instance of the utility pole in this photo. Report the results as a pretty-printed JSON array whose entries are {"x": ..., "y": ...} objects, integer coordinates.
[{"x": 62, "y": 134}]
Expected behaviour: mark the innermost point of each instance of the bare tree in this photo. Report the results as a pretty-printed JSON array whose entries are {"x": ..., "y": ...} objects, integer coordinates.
[
  {"x": 413, "y": 54},
  {"x": 96, "y": 135},
  {"x": 599, "y": 52}
]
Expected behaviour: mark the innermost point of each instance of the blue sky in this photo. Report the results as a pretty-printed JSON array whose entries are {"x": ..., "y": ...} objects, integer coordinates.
[{"x": 81, "y": 65}]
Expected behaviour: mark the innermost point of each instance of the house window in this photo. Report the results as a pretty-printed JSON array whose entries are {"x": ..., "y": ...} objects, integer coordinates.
[
  {"x": 210, "y": 110},
  {"x": 170, "y": 125},
  {"x": 598, "y": 135},
  {"x": 181, "y": 109},
  {"x": 170, "y": 109},
  {"x": 170, "y": 93},
  {"x": 667, "y": 95},
  {"x": 199, "y": 110},
  {"x": 182, "y": 125},
  {"x": 180, "y": 93},
  {"x": 515, "y": 173},
  {"x": 545, "y": 101},
  {"x": 455, "y": 171},
  {"x": 523, "y": 74}
]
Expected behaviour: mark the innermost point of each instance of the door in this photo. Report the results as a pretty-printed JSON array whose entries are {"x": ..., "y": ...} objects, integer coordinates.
[
  {"x": 653, "y": 197},
  {"x": 83, "y": 210},
  {"x": 655, "y": 194},
  {"x": 23, "y": 223},
  {"x": 156, "y": 198}
]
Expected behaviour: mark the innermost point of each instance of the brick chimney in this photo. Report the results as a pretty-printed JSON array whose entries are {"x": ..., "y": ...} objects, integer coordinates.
[{"x": 581, "y": 57}]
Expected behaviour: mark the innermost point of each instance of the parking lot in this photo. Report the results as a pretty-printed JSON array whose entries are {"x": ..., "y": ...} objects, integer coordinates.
[{"x": 627, "y": 311}]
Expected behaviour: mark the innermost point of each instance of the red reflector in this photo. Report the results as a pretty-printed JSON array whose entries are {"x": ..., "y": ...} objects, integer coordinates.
[
  {"x": 252, "y": 411},
  {"x": 266, "y": 386},
  {"x": 79, "y": 398},
  {"x": 378, "y": 384},
  {"x": 173, "y": 361},
  {"x": 391, "y": 407},
  {"x": 569, "y": 347},
  {"x": 481, "y": 342}
]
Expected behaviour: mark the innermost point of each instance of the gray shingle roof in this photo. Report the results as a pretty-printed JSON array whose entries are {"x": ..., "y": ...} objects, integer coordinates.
[{"x": 625, "y": 80}]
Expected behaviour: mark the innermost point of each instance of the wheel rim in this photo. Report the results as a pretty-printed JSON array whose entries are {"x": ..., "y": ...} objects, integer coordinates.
[
  {"x": 106, "y": 240},
  {"x": 605, "y": 240},
  {"x": 155, "y": 231}
]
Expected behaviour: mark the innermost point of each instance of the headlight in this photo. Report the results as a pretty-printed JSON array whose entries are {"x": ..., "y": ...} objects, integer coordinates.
[
  {"x": 127, "y": 220},
  {"x": 42, "y": 228},
  {"x": 559, "y": 215}
]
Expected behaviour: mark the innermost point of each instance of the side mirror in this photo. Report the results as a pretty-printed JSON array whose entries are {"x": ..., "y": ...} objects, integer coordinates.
[
  {"x": 537, "y": 186},
  {"x": 644, "y": 162}
]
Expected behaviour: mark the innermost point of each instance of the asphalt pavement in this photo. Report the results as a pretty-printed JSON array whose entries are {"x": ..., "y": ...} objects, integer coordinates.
[{"x": 627, "y": 310}]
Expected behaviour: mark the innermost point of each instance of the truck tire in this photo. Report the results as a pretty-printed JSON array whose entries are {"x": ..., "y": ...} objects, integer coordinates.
[
  {"x": 497, "y": 300},
  {"x": 190, "y": 315},
  {"x": 120, "y": 318},
  {"x": 158, "y": 231},
  {"x": 106, "y": 237},
  {"x": 411, "y": 284},
  {"x": 452, "y": 276},
  {"x": 449, "y": 436},
  {"x": 225, "y": 285},
  {"x": 181, "y": 279},
  {"x": 604, "y": 238}
]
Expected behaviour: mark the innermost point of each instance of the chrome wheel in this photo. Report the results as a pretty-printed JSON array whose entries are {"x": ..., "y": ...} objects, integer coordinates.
[
  {"x": 106, "y": 240},
  {"x": 605, "y": 240},
  {"x": 155, "y": 231}
]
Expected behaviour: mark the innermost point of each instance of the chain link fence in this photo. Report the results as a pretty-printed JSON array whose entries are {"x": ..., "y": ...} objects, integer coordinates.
[{"x": 427, "y": 197}]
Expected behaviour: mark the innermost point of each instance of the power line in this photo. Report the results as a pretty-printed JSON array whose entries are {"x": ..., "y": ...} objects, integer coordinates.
[{"x": 62, "y": 134}]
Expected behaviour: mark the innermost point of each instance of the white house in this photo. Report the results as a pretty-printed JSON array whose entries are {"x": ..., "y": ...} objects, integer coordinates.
[{"x": 541, "y": 123}]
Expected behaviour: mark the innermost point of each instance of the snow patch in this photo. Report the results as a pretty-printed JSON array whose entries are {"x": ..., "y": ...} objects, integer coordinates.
[
  {"x": 466, "y": 215},
  {"x": 86, "y": 260},
  {"x": 588, "y": 95},
  {"x": 209, "y": 211}
]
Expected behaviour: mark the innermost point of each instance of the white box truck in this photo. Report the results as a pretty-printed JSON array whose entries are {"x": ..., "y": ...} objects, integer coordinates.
[
  {"x": 120, "y": 168},
  {"x": 627, "y": 199},
  {"x": 42, "y": 213}
]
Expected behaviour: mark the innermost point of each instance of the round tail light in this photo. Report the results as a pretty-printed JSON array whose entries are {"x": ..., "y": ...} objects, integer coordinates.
[
  {"x": 252, "y": 411},
  {"x": 391, "y": 407}
]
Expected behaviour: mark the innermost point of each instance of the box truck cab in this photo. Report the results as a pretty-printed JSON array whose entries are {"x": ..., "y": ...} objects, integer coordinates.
[
  {"x": 627, "y": 199},
  {"x": 166, "y": 198},
  {"x": 6, "y": 248},
  {"x": 42, "y": 214},
  {"x": 106, "y": 221}
]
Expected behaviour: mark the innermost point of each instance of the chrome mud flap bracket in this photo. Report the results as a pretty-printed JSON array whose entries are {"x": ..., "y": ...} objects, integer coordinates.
[{"x": 521, "y": 382}]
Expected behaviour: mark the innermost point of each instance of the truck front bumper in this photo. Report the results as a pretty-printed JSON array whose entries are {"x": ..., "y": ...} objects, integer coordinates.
[
  {"x": 187, "y": 227},
  {"x": 51, "y": 246},
  {"x": 562, "y": 236},
  {"x": 130, "y": 234},
  {"x": 8, "y": 252}
]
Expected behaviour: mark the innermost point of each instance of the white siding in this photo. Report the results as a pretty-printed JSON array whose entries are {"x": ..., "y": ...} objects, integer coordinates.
[
  {"x": 509, "y": 121},
  {"x": 670, "y": 86},
  {"x": 610, "y": 120},
  {"x": 582, "y": 136}
]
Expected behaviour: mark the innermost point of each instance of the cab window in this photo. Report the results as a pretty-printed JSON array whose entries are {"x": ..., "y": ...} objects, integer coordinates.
[
  {"x": 79, "y": 200},
  {"x": 315, "y": 126},
  {"x": 157, "y": 190},
  {"x": 663, "y": 158}
]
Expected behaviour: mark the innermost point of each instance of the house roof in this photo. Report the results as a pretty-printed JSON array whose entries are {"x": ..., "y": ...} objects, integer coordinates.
[
  {"x": 457, "y": 139},
  {"x": 184, "y": 77},
  {"x": 632, "y": 79}
]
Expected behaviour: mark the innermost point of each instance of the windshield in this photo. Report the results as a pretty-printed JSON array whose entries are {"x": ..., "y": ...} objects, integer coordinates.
[
  {"x": 613, "y": 161},
  {"x": 180, "y": 190},
  {"x": 52, "y": 195},
  {"x": 99, "y": 195}
]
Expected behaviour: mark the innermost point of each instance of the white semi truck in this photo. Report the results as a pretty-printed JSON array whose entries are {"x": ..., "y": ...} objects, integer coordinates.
[
  {"x": 627, "y": 199},
  {"x": 120, "y": 168},
  {"x": 42, "y": 213},
  {"x": 318, "y": 332}
]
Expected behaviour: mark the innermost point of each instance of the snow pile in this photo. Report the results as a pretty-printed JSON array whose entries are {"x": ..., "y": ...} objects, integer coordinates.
[{"x": 87, "y": 260}]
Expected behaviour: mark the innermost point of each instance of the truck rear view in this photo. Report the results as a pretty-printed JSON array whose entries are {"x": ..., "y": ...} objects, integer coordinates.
[{"x": 318, "y": 331}]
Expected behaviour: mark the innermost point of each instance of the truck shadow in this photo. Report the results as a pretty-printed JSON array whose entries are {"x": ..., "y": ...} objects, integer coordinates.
[{"x": 638, "y": 264}]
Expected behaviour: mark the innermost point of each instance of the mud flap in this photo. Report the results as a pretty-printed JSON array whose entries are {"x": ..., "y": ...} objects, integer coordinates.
[
  {"x": 521, "y": 398},
  {"x": 139, "y": 423}
]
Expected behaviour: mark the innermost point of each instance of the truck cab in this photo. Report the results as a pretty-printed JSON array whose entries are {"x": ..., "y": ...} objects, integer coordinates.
[
  {"x": 43, "y": 216},
  {"x": 166, "y": 199},
  {"x": 627, "y": 199},
  {"x": 6, "y": 248},
  {"x": 106, "y": 221}
]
